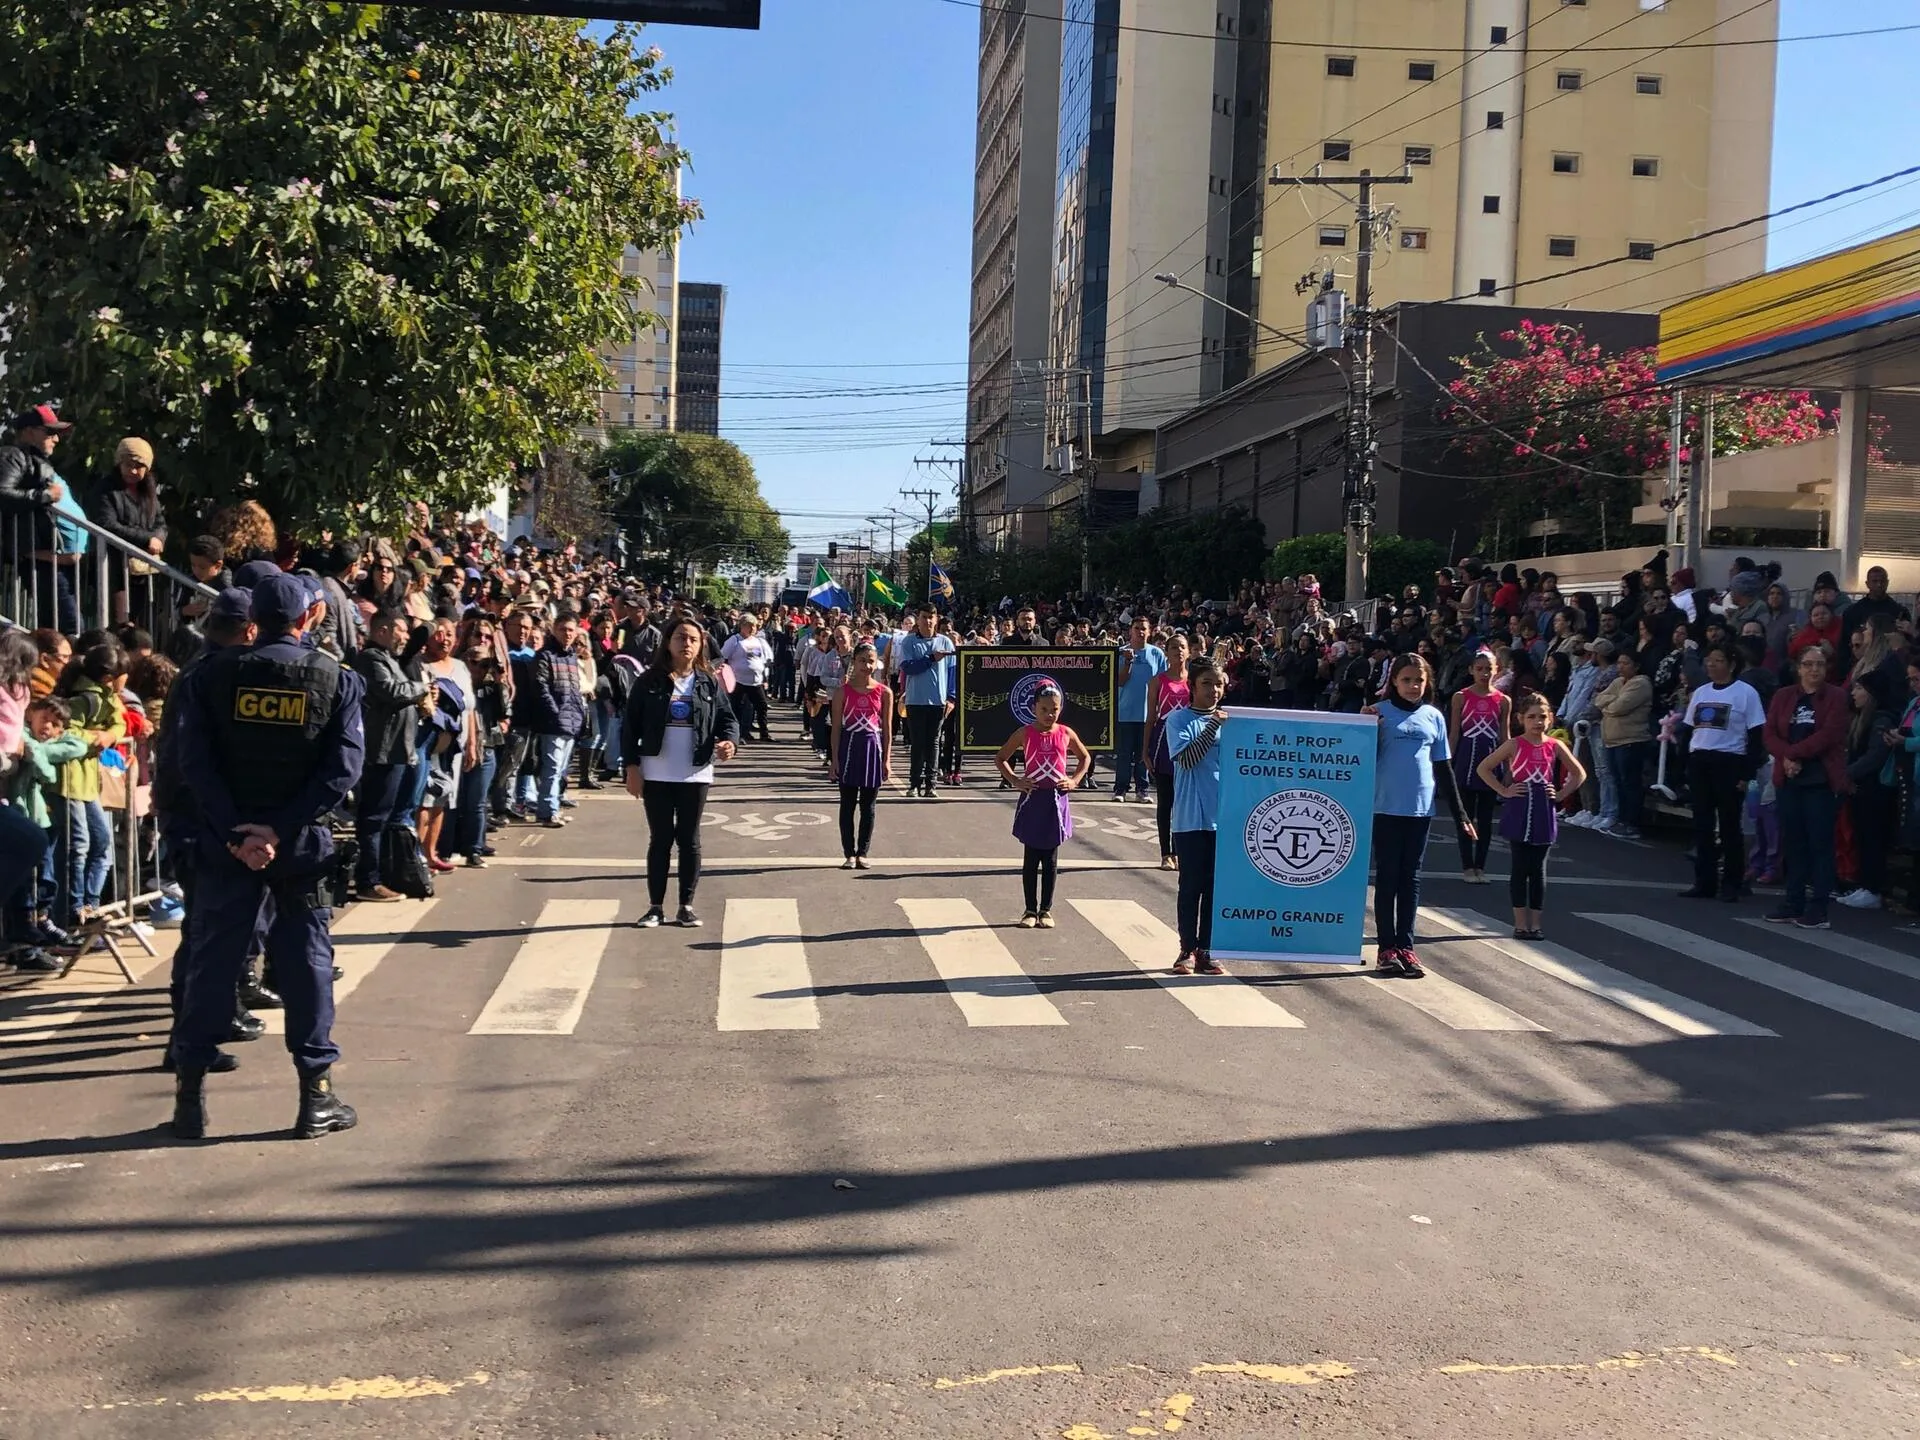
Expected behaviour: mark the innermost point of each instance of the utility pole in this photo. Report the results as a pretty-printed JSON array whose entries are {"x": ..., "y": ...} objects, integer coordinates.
[
  {"x": 1357, "y": 494},
  {"x": 931, "y": 499}
]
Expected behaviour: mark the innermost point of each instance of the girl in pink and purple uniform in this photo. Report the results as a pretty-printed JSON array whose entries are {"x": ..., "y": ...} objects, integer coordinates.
[
  {"x": 1478, "y": 723},
  {"x": 1055, "y": 762},
  {"x": 1539, "y": 770}
]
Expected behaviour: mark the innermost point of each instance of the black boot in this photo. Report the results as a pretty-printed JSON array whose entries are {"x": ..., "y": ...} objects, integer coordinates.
[
  {"x": 189, "y": 1105},
  {"x": 254, "y": 994},
  {"x": 223, "y": 1063},
  {"x": 246, "y": 1025},
  {"x": 321, "y": 1111}
]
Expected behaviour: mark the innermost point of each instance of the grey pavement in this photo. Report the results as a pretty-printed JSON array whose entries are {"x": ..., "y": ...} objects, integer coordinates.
[{"x": 1656, "y": 1176}]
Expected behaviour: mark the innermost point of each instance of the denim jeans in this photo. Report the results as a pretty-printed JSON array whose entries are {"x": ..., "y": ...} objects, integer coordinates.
[
  {"x": 1628, "y": 764},
  {"x": 554, "y": 751},
  {"x": 85, "y": 860},
  {"x": 1808, "y": 814},
  {"x": 470, "y": 807},
  {"x": 381, "y": 799},
  {"x": 1129, "y": 765},
  {"x": 1399, "y": 844},
  {"x": 1603, "y": 772}
]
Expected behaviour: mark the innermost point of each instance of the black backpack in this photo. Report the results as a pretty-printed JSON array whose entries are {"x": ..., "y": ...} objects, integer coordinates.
[{"x": 403, "y": 865}]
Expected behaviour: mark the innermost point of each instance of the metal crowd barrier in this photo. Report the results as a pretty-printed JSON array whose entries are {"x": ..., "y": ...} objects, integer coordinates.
[{"x": 100, "y": 585}]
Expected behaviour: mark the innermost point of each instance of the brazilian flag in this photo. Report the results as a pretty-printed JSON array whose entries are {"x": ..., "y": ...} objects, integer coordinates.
[{"x": 881, "y": 593}]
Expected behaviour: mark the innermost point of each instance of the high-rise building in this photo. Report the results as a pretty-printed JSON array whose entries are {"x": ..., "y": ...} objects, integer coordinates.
[
  {"x": 1542, "y": 136},
  {"x": 703, "y": 309},
  {"x": 1014, "y": 177},
  {"x": 1162, "y": 103},
  {"x": 639, "y": 390}
]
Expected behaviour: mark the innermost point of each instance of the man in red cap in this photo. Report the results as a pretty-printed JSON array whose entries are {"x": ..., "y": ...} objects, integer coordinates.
[{"x": 29, "y": 486}]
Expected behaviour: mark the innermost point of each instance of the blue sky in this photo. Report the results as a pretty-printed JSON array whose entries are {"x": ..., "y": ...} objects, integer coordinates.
[{"x": 833, "y": 151}]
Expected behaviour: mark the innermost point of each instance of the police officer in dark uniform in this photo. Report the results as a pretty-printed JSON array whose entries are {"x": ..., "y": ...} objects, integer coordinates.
[{"x": 271, "y": 741}]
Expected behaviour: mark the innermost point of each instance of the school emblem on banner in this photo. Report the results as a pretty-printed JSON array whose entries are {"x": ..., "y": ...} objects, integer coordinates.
[{"x": 1299, "y": 838}]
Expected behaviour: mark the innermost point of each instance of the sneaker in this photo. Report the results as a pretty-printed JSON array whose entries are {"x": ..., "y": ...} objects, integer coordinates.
[
  {"x": 1583, "y": 820},
  {"x": 1119, "y": 797},
  {"x": 1814, "y": 919},
  {"x": 653, "y": 919},
  {"x": 476, "y": 861},
  {"x": 166, "y": 913},
  {"x": 556, "y": 823},
  {"x": 1029, "y": 921},
  {"x": 1410, "y": 966},
  {"x": 1387, "y": 962},
  {"x": 860, "y": 862},
  {"x": 847, "y": 864},
  {"x": 1184, "y": 965},
  {"x": 32, "y": 960},
  {"x": 1044, "y": 920},
  {"x": 1622, "y": 832},
  {"x": 381, "y": 895},
  {"x": 567, "y": 802},
  {"x": 1784, "y": 916},
  {"x": 687, "y": 918},
  {"x": 1207, "y": 965},
  {"x": 1862, "y": 899}
]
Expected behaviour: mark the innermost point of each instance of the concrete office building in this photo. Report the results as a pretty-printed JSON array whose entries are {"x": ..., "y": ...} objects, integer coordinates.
[
  {"x": 1014, "y": 174},
  {"x": 702, "y": 312},
  {"x": 1531, "y": 155},
  {"x": 1159, "y": 132},
  {"x": 640, "y": 386}
]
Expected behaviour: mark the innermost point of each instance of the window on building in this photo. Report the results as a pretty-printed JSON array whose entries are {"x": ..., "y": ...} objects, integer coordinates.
[
  {"x": 1337, "y": 150},
  {"x": 1418, "y": 155},
  {"x": 1640, "y": 249},
  {"x": 1489, "y": 204},
  {"x": 1564, "y": 164},
  {"x": 1645, "y": 167},
  {"x": 1413, "y": 239},
  {"x": 1334, "y": 236},
  {"x": 1647, "y": 84},
  {"x": 1496, "y": 119},
  {"x": 1562, "y": 247},
  {"x": 1342, "y": 65},
  {"x": 1499, "y": 35},
  {"x": 1568, "y": 79},
  {"x": 1420, "y": 70},
  {"x": 1489, "y": 287}
]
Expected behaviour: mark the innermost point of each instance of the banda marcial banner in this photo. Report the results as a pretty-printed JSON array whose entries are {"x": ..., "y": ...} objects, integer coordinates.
[
  {"x": 997, "y": 686},
  {"x": 1296, "y": 835}
]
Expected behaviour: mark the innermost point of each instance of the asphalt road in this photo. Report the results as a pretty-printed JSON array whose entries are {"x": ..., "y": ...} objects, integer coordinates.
[{"x": 1655, "y": 1177}]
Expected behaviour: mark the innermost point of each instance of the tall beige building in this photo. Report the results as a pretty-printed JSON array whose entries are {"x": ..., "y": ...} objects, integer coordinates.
[
  {"x": 1542, "y": 135},
  {"x": 642, "y": 372}
]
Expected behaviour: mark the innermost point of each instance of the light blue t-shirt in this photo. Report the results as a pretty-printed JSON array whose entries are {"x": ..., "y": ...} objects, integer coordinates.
[
  {"x": 1410, "y": 741},
  {"x": 929, "y": 687},
  {"x": 1196, "y": 790},
  {"x": 1148, "y": 662}
]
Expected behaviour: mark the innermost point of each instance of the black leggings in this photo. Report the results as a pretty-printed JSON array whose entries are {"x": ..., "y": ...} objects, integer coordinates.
[
  {"x": 862, "y": 796},
  {"x": 673, "y": 819},
  {"x": 1163, "y": 812},
  {"x": 1037, "y": 873},
  {"x": 1477, "y": 806},
  {"x": 1527, "y": 885}
]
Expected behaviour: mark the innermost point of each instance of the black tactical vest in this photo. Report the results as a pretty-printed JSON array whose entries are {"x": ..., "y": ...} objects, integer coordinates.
[{"x": 269, "y": 715}]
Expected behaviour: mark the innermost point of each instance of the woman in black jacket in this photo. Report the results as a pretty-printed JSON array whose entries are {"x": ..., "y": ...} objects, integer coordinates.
[
  {"x": 676, "y": 725},
  {"x": 126, "y": 503}
]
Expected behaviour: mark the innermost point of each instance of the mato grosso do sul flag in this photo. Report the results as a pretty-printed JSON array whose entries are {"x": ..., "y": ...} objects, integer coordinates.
[{"x": 1296, "y": 835}]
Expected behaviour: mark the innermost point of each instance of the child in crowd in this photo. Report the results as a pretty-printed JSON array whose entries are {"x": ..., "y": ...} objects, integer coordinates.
[
  {"x": 1539, "y": 770},
  {"x": 91, "y": 689},
  {"x": 862, "y": 748},
  {"x": 1166, "y": 694},
  {"x": 1042, "y": 821},
  {"x": 45, "y": 748},
  {"x": 1192, "y": 742}
]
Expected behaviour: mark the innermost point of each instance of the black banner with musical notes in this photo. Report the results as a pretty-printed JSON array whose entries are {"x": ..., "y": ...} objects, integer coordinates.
[{"x": 998, "y": 686}]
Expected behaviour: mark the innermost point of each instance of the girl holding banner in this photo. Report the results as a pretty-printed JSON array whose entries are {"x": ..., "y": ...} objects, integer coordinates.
[
  {"x": 1192, "y": 735},
  {"x": 1413, "y": 767}
]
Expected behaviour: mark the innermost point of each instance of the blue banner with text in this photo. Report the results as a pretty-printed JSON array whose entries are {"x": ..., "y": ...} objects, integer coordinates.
[{"x": 1296, "y": 835}]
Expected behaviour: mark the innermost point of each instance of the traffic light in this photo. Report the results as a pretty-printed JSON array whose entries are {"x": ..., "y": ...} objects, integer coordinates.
[{"x": 833, "y": 549}]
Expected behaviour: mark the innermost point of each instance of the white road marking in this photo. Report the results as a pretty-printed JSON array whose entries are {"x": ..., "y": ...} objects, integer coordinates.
[
  {"x": 1880, "y": 1014},
  {"x": 1630, "y": 992},
  {"x": 362, "y": 938},
  {"x": 545, "y": 989},
  {"x": 764, "y": 980},
  {"x": 987, "y": 983},
  {"x": 1878, "y": 956},
  {"x": 1453, "y": 1005},
  {"x": 1151, "y": 946}
]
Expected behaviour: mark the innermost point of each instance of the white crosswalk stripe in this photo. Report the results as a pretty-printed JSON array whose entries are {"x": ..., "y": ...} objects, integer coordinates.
[
  {"x": 362, "y": 938},
  {"x": 1878, "y": 956},
  {"x": 1676, "y": 1012},
  {"x": 1453, "y": 1005},
  {"x": 764, "y": 980},
  {"x": 987, "y": 983},
  {"x": 1151, "y": 945},
  {"x": 544, "y": 991},
  {"x": 1881, "y": 1014}
]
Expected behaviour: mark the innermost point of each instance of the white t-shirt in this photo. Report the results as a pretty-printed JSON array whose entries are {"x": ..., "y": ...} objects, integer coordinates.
[
  {"x": 674, "y": 764},
  {"x": 1721, "y": 715},
  {"x": 749, "y": 659}
]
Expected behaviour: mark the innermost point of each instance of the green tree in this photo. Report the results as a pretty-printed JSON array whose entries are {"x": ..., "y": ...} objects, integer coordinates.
[
  {"x": 1322, "y": 556},
  {"x": 352, "y": 255},
  {"x": 692, "y": 499}
]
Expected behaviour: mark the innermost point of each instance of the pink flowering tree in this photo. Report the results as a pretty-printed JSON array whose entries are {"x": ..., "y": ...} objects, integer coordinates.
[{"x": 1553, "y": 426}]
